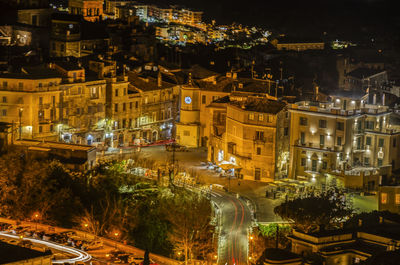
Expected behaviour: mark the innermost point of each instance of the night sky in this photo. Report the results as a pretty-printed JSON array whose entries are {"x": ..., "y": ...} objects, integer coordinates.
[{"x": 332, "y": 16}]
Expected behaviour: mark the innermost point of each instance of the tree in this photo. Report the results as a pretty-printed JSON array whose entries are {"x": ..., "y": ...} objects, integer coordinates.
[
  {"x": 316, "y": 212},
  {"x": 190, "y": 216}
]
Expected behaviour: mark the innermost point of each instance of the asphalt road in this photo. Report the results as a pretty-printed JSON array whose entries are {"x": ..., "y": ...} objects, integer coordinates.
[{"x": 235, "y": 222}]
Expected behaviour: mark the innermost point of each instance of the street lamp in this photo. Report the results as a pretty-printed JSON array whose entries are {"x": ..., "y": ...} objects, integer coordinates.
[
  {"x": 36, "y": 218},
  {"x": 86, "y": 226},
  {"x": 116, "y": 234},
  {"x": 20, "y": 122}
]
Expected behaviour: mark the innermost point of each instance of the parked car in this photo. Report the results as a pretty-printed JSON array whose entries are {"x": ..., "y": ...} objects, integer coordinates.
[{"x": 178, "y": 148}]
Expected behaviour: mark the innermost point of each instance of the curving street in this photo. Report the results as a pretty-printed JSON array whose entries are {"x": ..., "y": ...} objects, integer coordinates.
[
  {"x": 79, "y": 255},
  {"x": 235, "y": 222}
]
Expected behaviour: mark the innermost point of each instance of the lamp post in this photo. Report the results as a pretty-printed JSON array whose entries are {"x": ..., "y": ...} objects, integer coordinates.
[
  {"x": 20, "y": 122},
  {"x": 36, "y": 218},
  {"x": 86, "y": 226},
  {"x": 116, "y": 234}
]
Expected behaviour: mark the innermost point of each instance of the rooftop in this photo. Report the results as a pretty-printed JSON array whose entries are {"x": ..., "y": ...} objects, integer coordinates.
[
  {"x": 147, "y": 83},
  {"x": 261, "y": 105},
  {"x": 11, "y": 253},
  {"x": 54, "y": 145},
  {"x": 69, "y": 66}
]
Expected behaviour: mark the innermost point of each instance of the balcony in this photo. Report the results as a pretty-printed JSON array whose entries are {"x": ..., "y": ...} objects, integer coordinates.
[
  {"x": 44, "y": 106},
  {"x": 259, "y": 140}
]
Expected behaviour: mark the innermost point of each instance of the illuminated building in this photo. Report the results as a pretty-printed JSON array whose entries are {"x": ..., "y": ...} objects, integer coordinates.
[
  {"x": 287, "y": 44},
  {"x": 91, "y": 10},
  {"x": 345, "y": 141},
  {"x": 70, "y": 36},
  {"x": 249, "y": 132},
  {"x": 158, "y": 106},
  {"x": 31, "y": 104},
  {"x": 83, "y": 104}
]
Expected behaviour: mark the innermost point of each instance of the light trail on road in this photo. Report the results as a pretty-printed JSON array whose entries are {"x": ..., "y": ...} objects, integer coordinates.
[
  {"x": 80, "y": 254},
  {"x": 236, "y": 218}
]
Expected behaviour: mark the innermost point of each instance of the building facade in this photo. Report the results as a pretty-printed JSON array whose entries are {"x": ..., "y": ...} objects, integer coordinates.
[{"x": 354, "y": 141}]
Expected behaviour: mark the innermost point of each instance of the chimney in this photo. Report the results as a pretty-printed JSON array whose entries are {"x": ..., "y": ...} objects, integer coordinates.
[{"x": 159, "y": 79}]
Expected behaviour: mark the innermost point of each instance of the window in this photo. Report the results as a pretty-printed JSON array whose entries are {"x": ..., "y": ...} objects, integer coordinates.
[
  {"x": 369, "y": 125},
  {"x": 53, "y": 100},
  {"x": 116, "y": 92},
  {"x": 258, "y": 150},
  {"x": 286, "y": 131},
  {"x": 322, "y": 123},
  {"x": 40, "y": 100},
  {"x": 124, "y": 107},
  {"x": 397, "y": 198},
  {"x": 257, "y": 173},
  {"x": 380, "y": 162},
  {"x": 4, "y": 99},
  {"x": 366, "y": 161},
  {"x": 322, "y": 139},
  {"x": 40, "y": 129},
  {"x": 324, "y": 165},
  {"x": 368, "y": 140},
  {"x": 4, "y": 112},
  {"x": 116, "y": 107},
  {"x": 260, "y": 135},
  {"x": 5, "y": 84},
  {"x": 303, "y": 121},
  {"x": 20, "y": 85},
  {"x": 339, "y": 140},
  {"x": 186, "y": 133},
  {"x": 260, "y": 117},
  {"x": 340, "y": 126},
  {"x": 203, "y": 99},
  {"x": 381, "y": 142},
  {"x": 137, "y": 104},
  {"x": 303, "y": 161},
  {"x": 251, "y": 116},
  {"x": 125, "y": 91},
  {"x": 130, "y": 105},
  {"x": 302, "y": 138},
  {"x": 383, "y": 198},
  {"x": 62, "y": 47}
]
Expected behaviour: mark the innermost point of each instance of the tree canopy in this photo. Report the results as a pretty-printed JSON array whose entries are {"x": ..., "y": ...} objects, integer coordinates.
[{"x": 316, "y": 212}]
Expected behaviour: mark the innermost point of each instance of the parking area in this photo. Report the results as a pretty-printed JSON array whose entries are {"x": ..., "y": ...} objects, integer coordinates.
[{"x": 89, "y": 250}]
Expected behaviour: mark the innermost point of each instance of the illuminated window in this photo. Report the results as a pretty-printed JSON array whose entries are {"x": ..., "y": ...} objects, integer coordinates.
[
  {"x": 260, "y": 117},
  {"x": 397, "y": 198},
  {"x": 383, "y": 198},
  {"x": 251, "y": 116}
]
